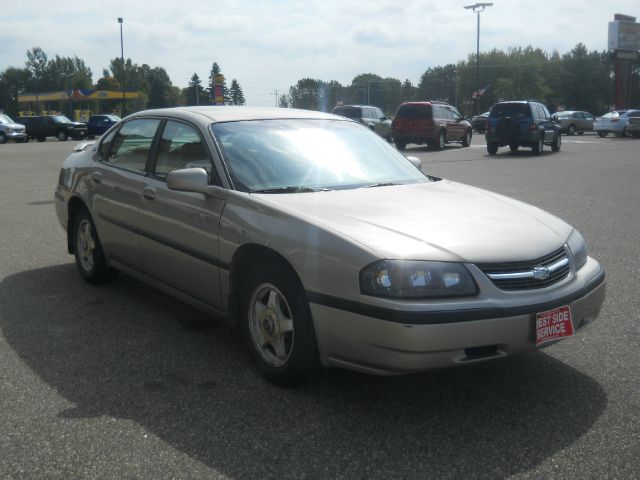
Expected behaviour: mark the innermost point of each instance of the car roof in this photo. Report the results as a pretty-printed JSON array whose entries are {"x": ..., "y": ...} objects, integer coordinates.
[{"x": 227, "y": 113}]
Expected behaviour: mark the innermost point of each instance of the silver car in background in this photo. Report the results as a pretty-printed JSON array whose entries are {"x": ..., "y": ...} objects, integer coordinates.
[
  {"x": 321, "y": 242},
  {"x": 572, "y": 122},
  {"x": 616, "y": 122}
]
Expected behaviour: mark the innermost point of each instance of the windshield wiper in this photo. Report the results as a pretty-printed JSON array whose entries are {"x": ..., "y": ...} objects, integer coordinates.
[
  {"x": 381, "y": 184},
  {"x": 291, "y": 189}
]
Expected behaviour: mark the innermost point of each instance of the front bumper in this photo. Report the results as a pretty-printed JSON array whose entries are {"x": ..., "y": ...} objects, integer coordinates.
[
  {"x": 15, "y": 135},
  {"x": 371, "y": 344}
]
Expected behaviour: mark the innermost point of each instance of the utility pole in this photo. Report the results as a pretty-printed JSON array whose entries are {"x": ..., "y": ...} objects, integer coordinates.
[
  {"x": 121, "y": 21},
  {"x": 478, "y": 8}
]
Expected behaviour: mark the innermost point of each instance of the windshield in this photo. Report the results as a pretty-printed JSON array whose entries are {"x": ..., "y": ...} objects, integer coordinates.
[
  {"x": 5, "y": 119},
  {"x": 349, "y": 112},
  {"x": 61, "y": 119},
  {"x": 307, "y": 155}
]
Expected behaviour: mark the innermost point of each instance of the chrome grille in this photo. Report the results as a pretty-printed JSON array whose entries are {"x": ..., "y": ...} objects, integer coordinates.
[{"x": 529, "y": 274}]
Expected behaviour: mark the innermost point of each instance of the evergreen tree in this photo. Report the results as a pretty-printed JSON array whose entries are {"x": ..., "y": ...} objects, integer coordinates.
[
  {"x": 215, "y": 71},
  {"x": 196, "y": 95},
  {"x": 236, "y": 94}
]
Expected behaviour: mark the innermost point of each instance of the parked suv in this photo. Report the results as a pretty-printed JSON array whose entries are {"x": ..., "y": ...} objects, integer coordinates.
[
  {"x": 59, "y": 126},
  {"x": 521, "y": 124},
  {"x": 10, "y": 130},
  {"x": 433, "y": 123},
  {"x": 98, "y": 124},
  {"x": 367, "y": 115}
]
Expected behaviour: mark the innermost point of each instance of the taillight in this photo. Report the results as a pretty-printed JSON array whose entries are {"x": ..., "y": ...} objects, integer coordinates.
[{"x": 532, "y": 126}]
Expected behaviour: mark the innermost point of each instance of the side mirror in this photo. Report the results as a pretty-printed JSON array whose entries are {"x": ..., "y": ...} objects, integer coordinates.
[
  {"x": 194, "y": 180},
  {"x": 416, "y": 162}
]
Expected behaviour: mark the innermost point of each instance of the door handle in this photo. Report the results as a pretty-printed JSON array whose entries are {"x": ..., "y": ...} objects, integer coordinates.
[
  {"x": 149, "y": 193},
  {"x": 96, "y": 177}
]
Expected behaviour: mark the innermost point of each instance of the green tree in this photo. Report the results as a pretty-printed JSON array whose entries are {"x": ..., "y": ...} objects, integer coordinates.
[
  {"x": 306, "y": 94},
  {"x": 235, "y": 93},
  {"x": 194, "y": 93}
]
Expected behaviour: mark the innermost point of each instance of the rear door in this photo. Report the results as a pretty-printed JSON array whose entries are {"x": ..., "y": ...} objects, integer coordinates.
[
  {"x": 179, "y": 230},
  {"x": 117, "y": 185}
]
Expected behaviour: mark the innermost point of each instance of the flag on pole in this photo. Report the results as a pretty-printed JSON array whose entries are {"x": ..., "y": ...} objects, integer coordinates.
[{"x": 479, "y": 93}]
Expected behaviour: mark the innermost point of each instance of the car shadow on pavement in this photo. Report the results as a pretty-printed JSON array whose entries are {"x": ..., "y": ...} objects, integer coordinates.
[{"x": 127, "y": 351}]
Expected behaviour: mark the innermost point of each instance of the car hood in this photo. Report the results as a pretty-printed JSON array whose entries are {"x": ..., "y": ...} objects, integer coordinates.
[{"x": 442, "y": 220}]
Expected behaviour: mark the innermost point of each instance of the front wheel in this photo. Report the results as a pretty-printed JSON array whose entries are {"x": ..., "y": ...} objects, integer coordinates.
[
  {"x": 89, "y": 255},
  {"x": 62, "y": 136},
  {"x": 277, "y": 325},
  {"x": 557, "y": 143},
  {"x": 466, "y": 140},
  {"x": 492, "y": 148},
  {"x": 3, "y": 138},
  {"x": 602, "y": 134}
]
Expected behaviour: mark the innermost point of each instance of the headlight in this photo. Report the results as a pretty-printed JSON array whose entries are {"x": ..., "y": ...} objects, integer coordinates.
[
  {"x": 578, "y": 248},
  {"x": 416, "y": 279}
]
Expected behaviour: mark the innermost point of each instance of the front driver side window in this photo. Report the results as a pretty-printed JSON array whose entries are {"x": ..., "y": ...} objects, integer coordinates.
[{"x": 180, "y": 147}]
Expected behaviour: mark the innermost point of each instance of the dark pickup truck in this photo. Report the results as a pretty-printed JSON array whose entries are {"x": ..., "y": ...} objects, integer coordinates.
[{"x": 59, "y": 126}]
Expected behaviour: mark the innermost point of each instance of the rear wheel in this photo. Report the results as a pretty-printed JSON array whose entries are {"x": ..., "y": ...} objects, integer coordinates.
[
  {"x": 557, "y": 143},
  {"x": 62, "y": 136},
  {"x": 571, "y": 130},
  {"x": 442, "y": 140},
  {"x": 277, "y": 325},
  {"x": 492, "y": 148},
  {"x": 539, "y": 146},
  {"x": 466, "y": 140},
  {"x": 90, "y": 258}
]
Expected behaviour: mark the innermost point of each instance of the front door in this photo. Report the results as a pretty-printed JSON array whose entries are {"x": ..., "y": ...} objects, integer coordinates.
[{"x": 179, "y": 230}]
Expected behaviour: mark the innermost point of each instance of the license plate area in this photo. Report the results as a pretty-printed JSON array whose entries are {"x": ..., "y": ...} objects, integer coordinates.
[{"x": 553, "y": 324}]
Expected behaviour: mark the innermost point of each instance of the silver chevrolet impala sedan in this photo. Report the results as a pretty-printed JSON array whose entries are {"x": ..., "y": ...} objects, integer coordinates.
[{"x": 321, "y": 242}]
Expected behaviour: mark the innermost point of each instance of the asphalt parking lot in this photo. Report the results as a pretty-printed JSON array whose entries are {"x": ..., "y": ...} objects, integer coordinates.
[{"x": 121, "y": 381}]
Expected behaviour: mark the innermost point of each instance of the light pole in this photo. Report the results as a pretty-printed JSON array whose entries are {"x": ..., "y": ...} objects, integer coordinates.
[
  {"x": 478, "y": 8},
  {"x": 121, "y": 21}
]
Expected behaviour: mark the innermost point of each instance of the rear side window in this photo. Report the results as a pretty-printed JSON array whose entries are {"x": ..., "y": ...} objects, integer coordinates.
[
  {"x": 131, "y": 144},
  {"x": 414, "y": 112}
]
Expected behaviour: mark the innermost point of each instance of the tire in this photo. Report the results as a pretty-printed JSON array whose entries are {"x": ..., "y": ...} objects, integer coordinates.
[
  {"x": 571, "y": 130},
  {"x": 442, "y": 140},
  {"x": 400, "y": 145},
  {"x": 557, "y": 143},
  {"x": 492, "y": 148},
  {"x": 3, "y": 138},
  {"x": 602, "y": 134},
  {"x": 537, "y": 148},
  {"x": 62, "y": 136},
  {"x": 277, "y": 325},
  {"x": 466, "y": 140},
  {"x": 89, "y": 255},
  {"x": 42, "y": 139},
  {"x": 624, "y": 133}
]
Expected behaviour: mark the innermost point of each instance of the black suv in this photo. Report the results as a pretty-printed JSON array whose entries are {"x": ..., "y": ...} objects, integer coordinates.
[
  {"x": 59, "y": 126},
  {"x": 367, "y": 115},
  {"x": 521, "y": 124}
]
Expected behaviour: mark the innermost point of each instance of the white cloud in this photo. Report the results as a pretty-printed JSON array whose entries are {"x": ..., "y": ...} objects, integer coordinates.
[{"x": 269, "y": 45}]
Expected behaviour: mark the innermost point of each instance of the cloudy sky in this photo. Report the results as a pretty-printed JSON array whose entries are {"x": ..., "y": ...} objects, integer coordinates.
[{"x": 269, "y": 45}]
